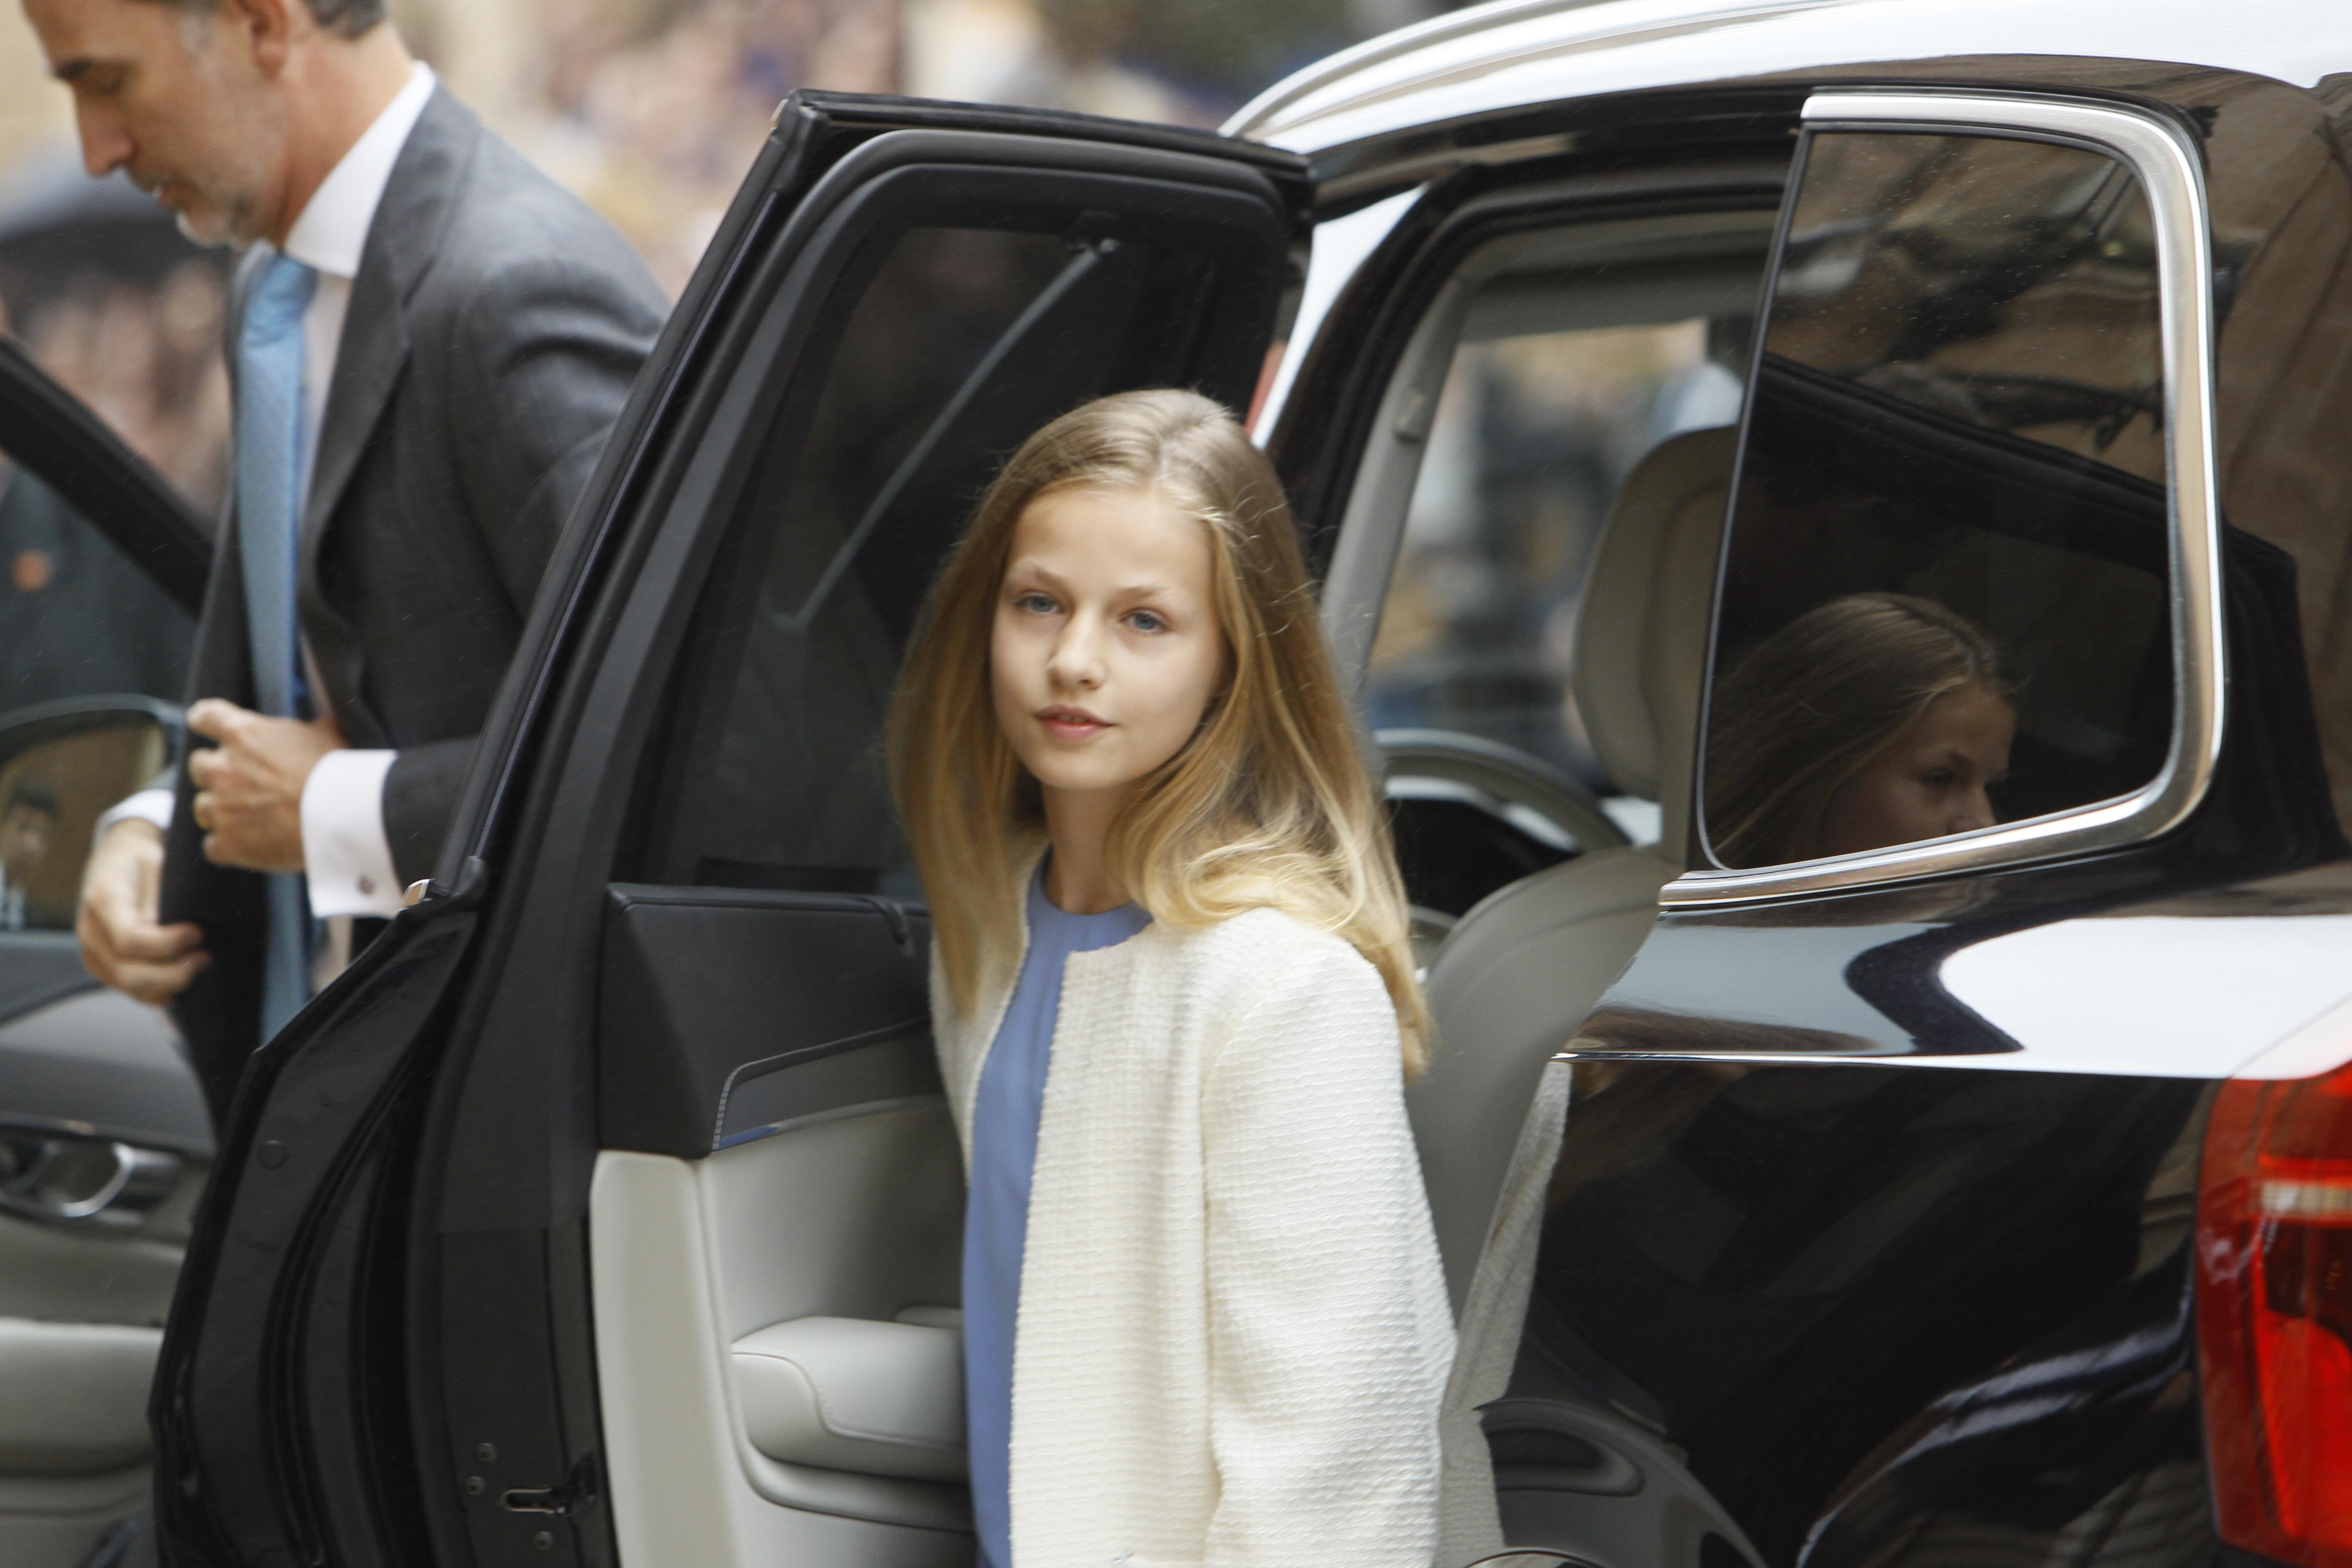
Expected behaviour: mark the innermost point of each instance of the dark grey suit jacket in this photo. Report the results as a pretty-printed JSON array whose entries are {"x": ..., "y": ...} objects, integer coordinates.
[{"x": 495, "y": 328}]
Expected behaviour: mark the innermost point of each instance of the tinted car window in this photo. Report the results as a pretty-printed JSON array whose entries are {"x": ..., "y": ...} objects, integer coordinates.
[
  {"x": 1946, "y": 592},
  {"x": 958, "y": 344},
  {"x": 77, "y": 617}
]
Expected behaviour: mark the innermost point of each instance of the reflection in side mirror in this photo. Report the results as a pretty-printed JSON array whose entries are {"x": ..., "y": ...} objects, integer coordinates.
[{"x": 62, "y": 764}]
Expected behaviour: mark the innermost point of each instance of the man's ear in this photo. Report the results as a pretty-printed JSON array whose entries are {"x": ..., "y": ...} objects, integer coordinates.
[{"x": 269, "y": 28}]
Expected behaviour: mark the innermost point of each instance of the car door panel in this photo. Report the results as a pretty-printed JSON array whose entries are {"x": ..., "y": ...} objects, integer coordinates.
[
  {"x": 94, "y": 1063},
  {"x": 853, "y": 1218},
  {"x": 83, "y": 1299},
  {"x": 690, "y": 1488},
  {"x": 773, "y": 1048},
  {"x": 729, "y": 1015}
]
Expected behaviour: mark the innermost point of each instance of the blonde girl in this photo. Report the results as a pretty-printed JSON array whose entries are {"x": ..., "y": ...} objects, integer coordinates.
[{"x": 1175, "y": 1007}]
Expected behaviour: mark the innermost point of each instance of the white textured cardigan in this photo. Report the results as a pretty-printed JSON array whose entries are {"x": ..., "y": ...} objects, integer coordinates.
[{"x": 1234, "y": 1335}]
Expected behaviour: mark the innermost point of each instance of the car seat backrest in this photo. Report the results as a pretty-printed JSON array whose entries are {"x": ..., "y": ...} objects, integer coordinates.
[
  {"x": 1516, "y": 979},
  {"x": 1641, "y": 641}
]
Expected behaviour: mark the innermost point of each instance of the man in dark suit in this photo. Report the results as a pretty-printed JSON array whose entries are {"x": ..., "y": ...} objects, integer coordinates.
[{"x": 430, "y": 340}]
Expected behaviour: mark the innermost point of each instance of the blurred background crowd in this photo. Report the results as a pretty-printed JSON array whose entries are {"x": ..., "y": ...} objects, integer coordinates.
[{"x": 652, "y": 110}]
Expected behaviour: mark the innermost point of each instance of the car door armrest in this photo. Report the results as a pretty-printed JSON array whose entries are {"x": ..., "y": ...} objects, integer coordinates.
[{"x": 850, "y": 1394}]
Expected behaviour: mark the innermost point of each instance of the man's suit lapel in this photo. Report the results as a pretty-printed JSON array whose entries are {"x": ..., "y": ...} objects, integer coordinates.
[{"x": 405, "y": 234}]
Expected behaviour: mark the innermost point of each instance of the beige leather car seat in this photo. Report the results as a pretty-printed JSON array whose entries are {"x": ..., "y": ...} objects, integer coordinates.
[{"x": 1516, "y": 978}]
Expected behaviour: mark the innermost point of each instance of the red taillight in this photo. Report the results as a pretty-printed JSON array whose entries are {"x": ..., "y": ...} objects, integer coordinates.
[{"x": 2274, "y": 1315}]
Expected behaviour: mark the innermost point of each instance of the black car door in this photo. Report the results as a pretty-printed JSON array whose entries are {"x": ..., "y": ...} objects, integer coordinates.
[
  {"x": 104, "y": 1140},
  {"x": 524, "y": 1226},
  {"x": 1855, "y": 1224}
]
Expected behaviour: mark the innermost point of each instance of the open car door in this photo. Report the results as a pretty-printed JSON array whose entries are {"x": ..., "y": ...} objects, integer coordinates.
[{"x": 534, "y": 1235}]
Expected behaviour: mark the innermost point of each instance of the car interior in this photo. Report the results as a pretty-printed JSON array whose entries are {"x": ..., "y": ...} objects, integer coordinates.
[
  {"x": 1521, "y": 966},
  {"x": 1638, "y": 614}
]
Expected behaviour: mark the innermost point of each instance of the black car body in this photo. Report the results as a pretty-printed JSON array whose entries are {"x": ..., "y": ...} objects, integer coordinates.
[{"x": 1981, "y": 1199}]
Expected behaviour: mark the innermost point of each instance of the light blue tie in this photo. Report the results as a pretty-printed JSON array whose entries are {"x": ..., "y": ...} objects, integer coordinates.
[{"x": 269, "y": 503}]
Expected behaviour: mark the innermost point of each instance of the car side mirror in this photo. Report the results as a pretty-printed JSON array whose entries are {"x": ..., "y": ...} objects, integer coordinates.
[{"x": 62, "y": 764}]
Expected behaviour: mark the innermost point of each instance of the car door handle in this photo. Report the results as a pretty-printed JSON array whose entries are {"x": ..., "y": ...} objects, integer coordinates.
[{"x": 64, "y": 1179}]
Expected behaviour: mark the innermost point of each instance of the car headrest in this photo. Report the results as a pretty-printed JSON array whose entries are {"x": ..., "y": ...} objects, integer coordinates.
[{"x": 1641, "y": 641}]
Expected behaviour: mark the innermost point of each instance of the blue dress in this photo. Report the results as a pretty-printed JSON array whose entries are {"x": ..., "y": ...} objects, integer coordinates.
[{"x": 1005, "y": 1115}]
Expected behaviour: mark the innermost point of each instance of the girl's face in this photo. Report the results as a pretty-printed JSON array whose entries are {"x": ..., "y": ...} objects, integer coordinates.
[
  {"x": 1106, "y": 649},
  {"x": 1930, "y": 782}
]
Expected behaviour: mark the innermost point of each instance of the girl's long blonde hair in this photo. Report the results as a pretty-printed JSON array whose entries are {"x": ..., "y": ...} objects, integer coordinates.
[
  {"x": 1816, "y": 702},
  {"x": 1268, "y": 805}
]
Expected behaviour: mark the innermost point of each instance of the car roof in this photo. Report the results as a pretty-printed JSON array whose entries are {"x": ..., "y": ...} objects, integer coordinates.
[{"x": 1515, "y": 53}]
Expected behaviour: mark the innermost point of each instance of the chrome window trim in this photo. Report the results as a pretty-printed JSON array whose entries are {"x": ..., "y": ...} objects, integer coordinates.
[{"x": 2171, "y": 173}]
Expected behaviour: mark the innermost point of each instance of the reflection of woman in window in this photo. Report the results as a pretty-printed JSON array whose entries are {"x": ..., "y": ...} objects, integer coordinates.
[
  {"x": 1204, "y": 1315},
  {"x": 1874, "y": 720}
]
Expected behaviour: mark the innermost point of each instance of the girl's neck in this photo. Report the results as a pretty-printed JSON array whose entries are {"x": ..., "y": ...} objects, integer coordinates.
[{"x": 1077, "y": 824}]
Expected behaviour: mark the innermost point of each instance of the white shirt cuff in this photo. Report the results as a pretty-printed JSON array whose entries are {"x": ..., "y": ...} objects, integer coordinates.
[
  {"x": 345, "y": 851},
  {"x": 152, "y": 804}
]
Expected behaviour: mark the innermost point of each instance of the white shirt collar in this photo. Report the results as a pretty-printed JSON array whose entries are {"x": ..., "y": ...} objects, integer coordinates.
[{"x": 333, "y": 228}]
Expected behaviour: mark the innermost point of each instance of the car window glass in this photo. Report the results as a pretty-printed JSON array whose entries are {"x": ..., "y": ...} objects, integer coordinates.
[
  {"x": 78, "y": 617},
  {"x": 123, "y": 311},
  {"x": 1582, "y": 352},
  {"x": 1946, "y": 591},
  {"x": 958, "y": 342}
]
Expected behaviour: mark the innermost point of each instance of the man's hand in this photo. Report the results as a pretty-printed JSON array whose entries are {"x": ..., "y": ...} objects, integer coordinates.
[
  {"x": 120, "y": 942},
  {"x": 249, "y": 787}
]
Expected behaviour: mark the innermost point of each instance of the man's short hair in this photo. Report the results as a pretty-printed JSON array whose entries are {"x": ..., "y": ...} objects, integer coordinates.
[
  {"x": 344, "y": 18},
  {"x": 32, "y": 794}
]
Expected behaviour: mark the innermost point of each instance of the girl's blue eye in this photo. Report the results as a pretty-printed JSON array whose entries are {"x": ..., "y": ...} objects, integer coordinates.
[
  {"x": 1035, "y": 603},
  {"x": 1147, "y": 621}
]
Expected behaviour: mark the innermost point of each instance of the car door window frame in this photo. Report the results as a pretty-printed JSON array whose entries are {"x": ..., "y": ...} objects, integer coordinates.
[
  {"x": 1368, "y": 535},
  {"x": 2159, "y": 154},
  {"x": 47, "y": 431}
]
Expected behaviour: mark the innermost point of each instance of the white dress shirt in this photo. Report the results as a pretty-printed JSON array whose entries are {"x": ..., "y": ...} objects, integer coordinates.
[{"x": 346, "y": 856}]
